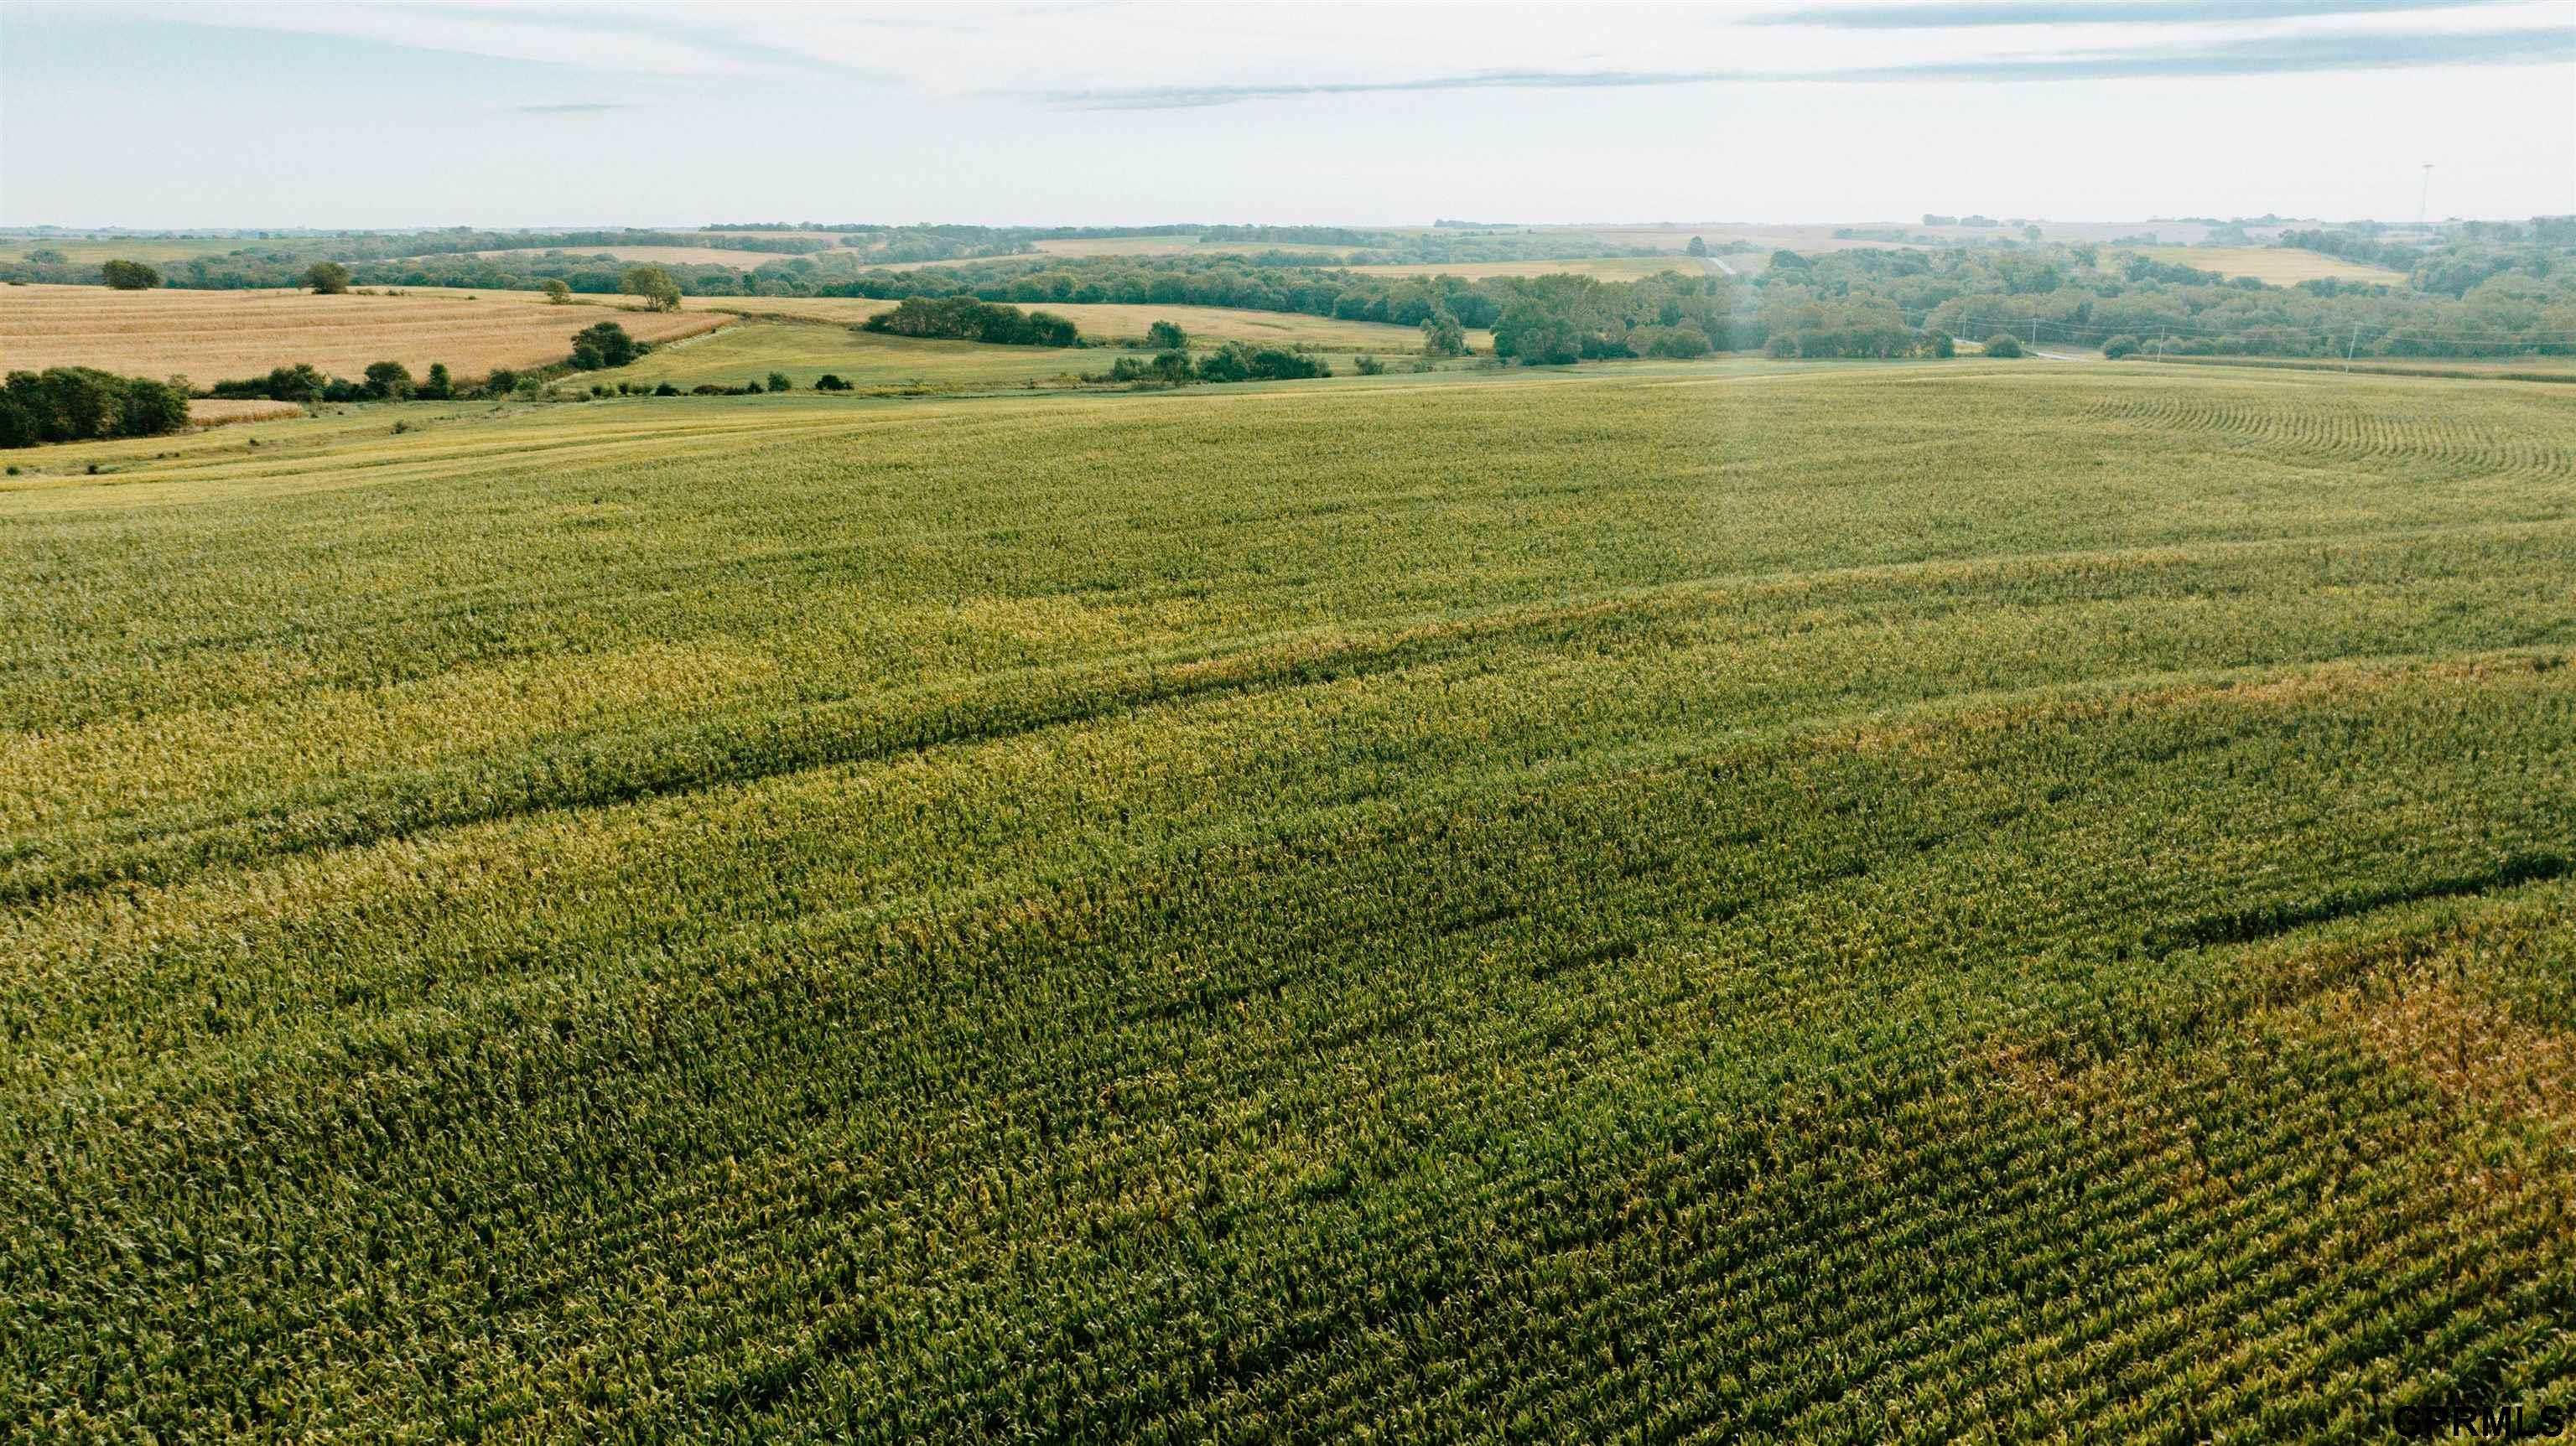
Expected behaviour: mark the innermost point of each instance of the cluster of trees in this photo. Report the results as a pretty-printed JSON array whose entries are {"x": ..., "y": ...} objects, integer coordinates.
[
  {"x": 384, "y": 381},
  {"x": 595, "y": 348},
  {"x": 128, "y": 275},
  {"x": 1235, "y": 361},
  {"x": 79, "y": 404},
  {"x": 963, "y": 318}
]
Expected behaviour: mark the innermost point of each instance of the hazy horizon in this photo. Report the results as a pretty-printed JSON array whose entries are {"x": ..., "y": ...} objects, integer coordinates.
[{"x": 1123, "y": 114}]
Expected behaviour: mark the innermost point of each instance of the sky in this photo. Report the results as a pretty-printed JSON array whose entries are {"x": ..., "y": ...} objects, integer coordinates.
[{"x": 369, "y": 113}]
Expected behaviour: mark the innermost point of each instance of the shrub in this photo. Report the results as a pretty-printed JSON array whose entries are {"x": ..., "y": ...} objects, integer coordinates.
[
  {"x": 828, "y": 382},
  {"x": 1782, "y": 347},
  {"x": 603, "y": 345},
  {"x": 129, "y": 275},
  {"x": 1231, "y": 362},
  {"x": 501, "y": 382},
  {"x": 298, "y": 383},
  {"x": 1369, "y": 366},
  {"x": 388, "y": 381},
  {"x": 1938, "y": 343},
  {"x": 557, "y": 293},
  {"x": 778, "y": 382},
  {"x": 1288, "y": 366},
  {"x": 326, "y": 278},
  {"x": 2003, "y": 344},
  {"x": 1166, "y": 336},
  {"x": 2120, "y": 346}
]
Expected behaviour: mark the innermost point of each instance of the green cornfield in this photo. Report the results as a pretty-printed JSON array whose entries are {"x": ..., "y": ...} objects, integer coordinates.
[{"x": 1653, "y": 903}]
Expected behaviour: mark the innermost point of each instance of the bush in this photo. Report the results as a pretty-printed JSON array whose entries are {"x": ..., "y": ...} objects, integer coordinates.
[
  {"x": 603, "y": 345},
  {"x": 2003, "y": 344},
  {"x": 501, "y": 382},
  {"x": 80, "y": 404},
  {"x": 298, "y": 383},
  {"x": 327, "y": 278},
  {"x": 438, "y": 386},
  {"x": 1938, "y": 343},
  {"x": 2120, "y": 346},
  {"x": 557, "y": 293},
  {"x": 666, "y": 390},
  {"x": 828, "y": 382},
  {"x": 1370, "y": 366},
  {"x": 1231, "y": 362},
  {"x": 388, "y": 381},
  {"x": 778, "y": 382},
  {"x": 1782, "y": 347},
  {"x": 1166, "y": 336},
  {"x": 129, "y": 275}
]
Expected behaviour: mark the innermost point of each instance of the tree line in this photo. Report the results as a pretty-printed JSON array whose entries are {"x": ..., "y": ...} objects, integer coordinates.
[{"x": 82, "y": 404}]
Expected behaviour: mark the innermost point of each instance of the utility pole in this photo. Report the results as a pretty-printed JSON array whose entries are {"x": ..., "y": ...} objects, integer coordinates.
[{"x": 2352, "y": 346}]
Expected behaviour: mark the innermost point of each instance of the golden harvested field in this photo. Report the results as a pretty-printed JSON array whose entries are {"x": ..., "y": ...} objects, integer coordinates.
[
  {"x": 1608, "y": 268},
  {"x": 209, "y": 335},
  {"x": 656, "y": 255},
  {"x": 223, "y": 412},
  {"x": 1108, "y": 321},
  {"x": 2281, "y": 266}
]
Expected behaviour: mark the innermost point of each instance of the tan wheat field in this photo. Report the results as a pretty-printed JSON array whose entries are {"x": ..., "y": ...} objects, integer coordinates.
[
  {"x": 207, "y": 335},
  {"x": 223, "y": 412}
]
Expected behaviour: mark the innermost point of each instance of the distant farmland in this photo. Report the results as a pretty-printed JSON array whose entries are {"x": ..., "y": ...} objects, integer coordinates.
[
  {"x": 2279, "y": 265},
  {"x": 209, "y": 335}
]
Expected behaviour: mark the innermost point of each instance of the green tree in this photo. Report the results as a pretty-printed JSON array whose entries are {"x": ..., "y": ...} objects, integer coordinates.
[
  {"x": 129, "y": 275},
  {"x": 501, "y": 382},
  {"x": 1166, "y": 336},
  {"x": 659, "y": 290},
  {"x": 388, "y": 380},
  {"x": 1698, "y": 246},
  {"x": 1369, "y": 366},
  {"x": 46, "y": 256},
  {"x": 327, "y": 278},
  {"x": 603, "y": 344},
  {"x": 438, "y": 386},
  {"x": 557, "y": 293},
  {"x": 1443, "y": 336},
  {"x": 1172, "y": 367},
  {"x": 2120, "y": 346},
  {"x": 1231, "y": 362},
  {"x": 2003, "y": 344},
  {"x": 778, "y": 382}
]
